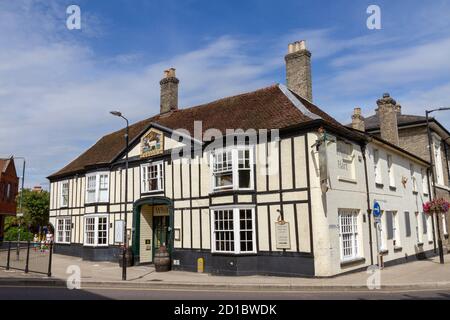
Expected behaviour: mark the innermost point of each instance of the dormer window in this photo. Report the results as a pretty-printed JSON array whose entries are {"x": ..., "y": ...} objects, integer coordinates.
[
  {"x": 97, "y": 187},
  {"x": 232, "y": 169}
]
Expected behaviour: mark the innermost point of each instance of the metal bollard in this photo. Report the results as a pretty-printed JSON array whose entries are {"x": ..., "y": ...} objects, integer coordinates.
[
  {"x": 28, "y": 257},
  {"x": 9, "y": 255},
  {"x": 49, "y": 273}
]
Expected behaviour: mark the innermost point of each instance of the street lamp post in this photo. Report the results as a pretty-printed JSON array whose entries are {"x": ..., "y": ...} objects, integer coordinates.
[
  {"x": 20, "y": 204},
  {"x": 427, "y": 113},
  {"x": 125, "y": 245}
]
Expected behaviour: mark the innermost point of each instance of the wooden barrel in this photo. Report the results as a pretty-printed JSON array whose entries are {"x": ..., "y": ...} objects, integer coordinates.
[{"x": 162, "y": 260}]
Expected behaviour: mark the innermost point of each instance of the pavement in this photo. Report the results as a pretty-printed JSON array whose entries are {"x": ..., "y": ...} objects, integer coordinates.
[{"x": 419, "y": 275}]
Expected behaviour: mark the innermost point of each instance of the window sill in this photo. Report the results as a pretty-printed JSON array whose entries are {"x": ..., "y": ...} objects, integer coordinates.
[
  {"x": 232, "y": 254},
  {"x": 95, "y": 246},
  {"x": 92, "y": 204},
  {"x": 398, "y": 249},
  {"x": 225, "y": 192},
  {"x": 347, "y": 263},
  {"x": 63, "y": 243},
  {"x": 349, "y": 180},
  {"x": 441, "y": 186},
  {"x": 384, "y": 251}
]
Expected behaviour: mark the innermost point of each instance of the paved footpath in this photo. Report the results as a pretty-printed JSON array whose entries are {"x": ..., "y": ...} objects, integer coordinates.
[{"x": 425, "y": 274}]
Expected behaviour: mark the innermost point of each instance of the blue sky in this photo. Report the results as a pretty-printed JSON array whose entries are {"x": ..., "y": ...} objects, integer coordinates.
[{"x": 57, "y": 85}]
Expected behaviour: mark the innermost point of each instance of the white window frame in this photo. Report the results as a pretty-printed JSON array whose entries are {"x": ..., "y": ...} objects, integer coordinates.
[
  {"x": 64, "y": 203},
  {"x": 235, "y": 167},
  {"x": 160, "y": 176},
  {"x": 419, "y": 227},
  {"x": 96, "y": 218},
  {"x": 377, "y": 167},
  {"x": 423, "y": 173},
  {"x": 391, "y": 171},
  {"x": 351, "y": 216},
  {"x": 96, "y": 189},
  {"x": 236, "y": 230},
  {"x": 412, "y": 171},
  {"x": 438, "y": 160},
  {"x": 383, "y": 235},
  {"x": 63, "y": 230},
  {"x": 444, "y": 224},
  {"x": 429, "y": 227},
  {"x": 396, "y": 230}
]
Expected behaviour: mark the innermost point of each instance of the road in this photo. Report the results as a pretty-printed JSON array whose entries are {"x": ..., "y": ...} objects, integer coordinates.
[{"x": 54, "y": 293}]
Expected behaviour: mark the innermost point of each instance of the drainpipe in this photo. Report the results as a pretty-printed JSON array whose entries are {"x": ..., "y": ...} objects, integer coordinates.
[
  {"x": 431, "y": 217},
  {"x": 369, "y": 210}
]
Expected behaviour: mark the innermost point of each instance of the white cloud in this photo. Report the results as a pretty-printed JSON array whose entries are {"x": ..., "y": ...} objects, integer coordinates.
[{"x": 56, "y": 93}]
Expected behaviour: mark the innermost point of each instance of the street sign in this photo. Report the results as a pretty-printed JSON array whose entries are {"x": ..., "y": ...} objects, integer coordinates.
[
  {"x": 19, "y": 214},
  {"x": 376, "y": 210}
]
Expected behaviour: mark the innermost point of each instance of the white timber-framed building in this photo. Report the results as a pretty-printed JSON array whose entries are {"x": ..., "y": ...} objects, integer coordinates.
[{"x": 294, "y": 202}]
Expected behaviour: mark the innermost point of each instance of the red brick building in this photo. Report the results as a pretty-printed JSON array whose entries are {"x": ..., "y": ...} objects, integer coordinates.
[{"x": 9, "y": 184}]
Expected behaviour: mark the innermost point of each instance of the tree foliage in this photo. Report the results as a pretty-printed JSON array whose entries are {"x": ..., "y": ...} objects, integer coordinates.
[{"x": 35, "y": 207}]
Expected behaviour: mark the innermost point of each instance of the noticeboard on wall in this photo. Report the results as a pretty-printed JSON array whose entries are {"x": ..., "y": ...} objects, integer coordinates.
[
  {"x": 282, "y": 235},
  {"x": 119, "y": 229}
]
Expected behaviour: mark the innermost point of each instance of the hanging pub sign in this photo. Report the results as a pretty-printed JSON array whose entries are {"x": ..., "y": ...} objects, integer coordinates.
[
  {"x": 321, "y": 148},
  {"x": 282, "y": 235},
  {"x": 152, "y": 143}
]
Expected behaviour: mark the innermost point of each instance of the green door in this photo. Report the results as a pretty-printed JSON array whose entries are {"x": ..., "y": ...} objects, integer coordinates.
[{"x": 160, "y": 233}]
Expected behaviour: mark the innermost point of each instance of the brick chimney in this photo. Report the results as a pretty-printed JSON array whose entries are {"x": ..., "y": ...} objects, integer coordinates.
[
  {"x": 298, "y": 69},
  {"x": 358, "y": 120},
  {"x": 387, "y": 113},
  {"x": 169, "y": 91}
]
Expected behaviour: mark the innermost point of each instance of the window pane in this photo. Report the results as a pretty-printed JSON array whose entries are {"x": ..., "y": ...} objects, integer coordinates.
[
  {"x": 224, "y": 180},
  {"x": 224, "y": 234},
  {"x": 244, "y": 178},
  {"x": 348, "y": 226}
]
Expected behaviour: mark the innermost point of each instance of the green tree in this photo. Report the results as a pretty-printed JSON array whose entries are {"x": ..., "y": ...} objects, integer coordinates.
[{"x": 35, "y": 207}]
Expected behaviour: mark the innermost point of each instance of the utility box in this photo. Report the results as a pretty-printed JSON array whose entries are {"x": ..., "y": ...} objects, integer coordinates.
[{"x": 200, "y": 265}]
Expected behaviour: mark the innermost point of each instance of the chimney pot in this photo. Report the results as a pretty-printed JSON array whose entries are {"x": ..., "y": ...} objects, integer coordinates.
[{"x": 358, "y": 120}]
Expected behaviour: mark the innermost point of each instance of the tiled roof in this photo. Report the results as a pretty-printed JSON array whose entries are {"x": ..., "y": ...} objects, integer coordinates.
[
  {"x": 267, "y": 108},
  {"x": 4, "y": 164},
  {"x": 373, "y": 122}
]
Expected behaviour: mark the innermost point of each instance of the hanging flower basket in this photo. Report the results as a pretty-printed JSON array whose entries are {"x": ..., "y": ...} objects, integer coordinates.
[{"x": 436, "y": 206}]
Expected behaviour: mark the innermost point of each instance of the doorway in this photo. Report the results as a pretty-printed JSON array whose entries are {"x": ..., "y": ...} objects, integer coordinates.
[
  {"x": 160, "y": 233},
  {"x": 152, "y": 226}
]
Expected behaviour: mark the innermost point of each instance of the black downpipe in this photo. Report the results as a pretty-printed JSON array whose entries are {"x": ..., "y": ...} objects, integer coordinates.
[
  {"x": 430, "y": 194},
  {"x": 369, "y": 210}
]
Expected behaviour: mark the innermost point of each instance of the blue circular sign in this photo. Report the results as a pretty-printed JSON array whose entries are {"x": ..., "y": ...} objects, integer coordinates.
[{"x": 376, "y": 210}]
